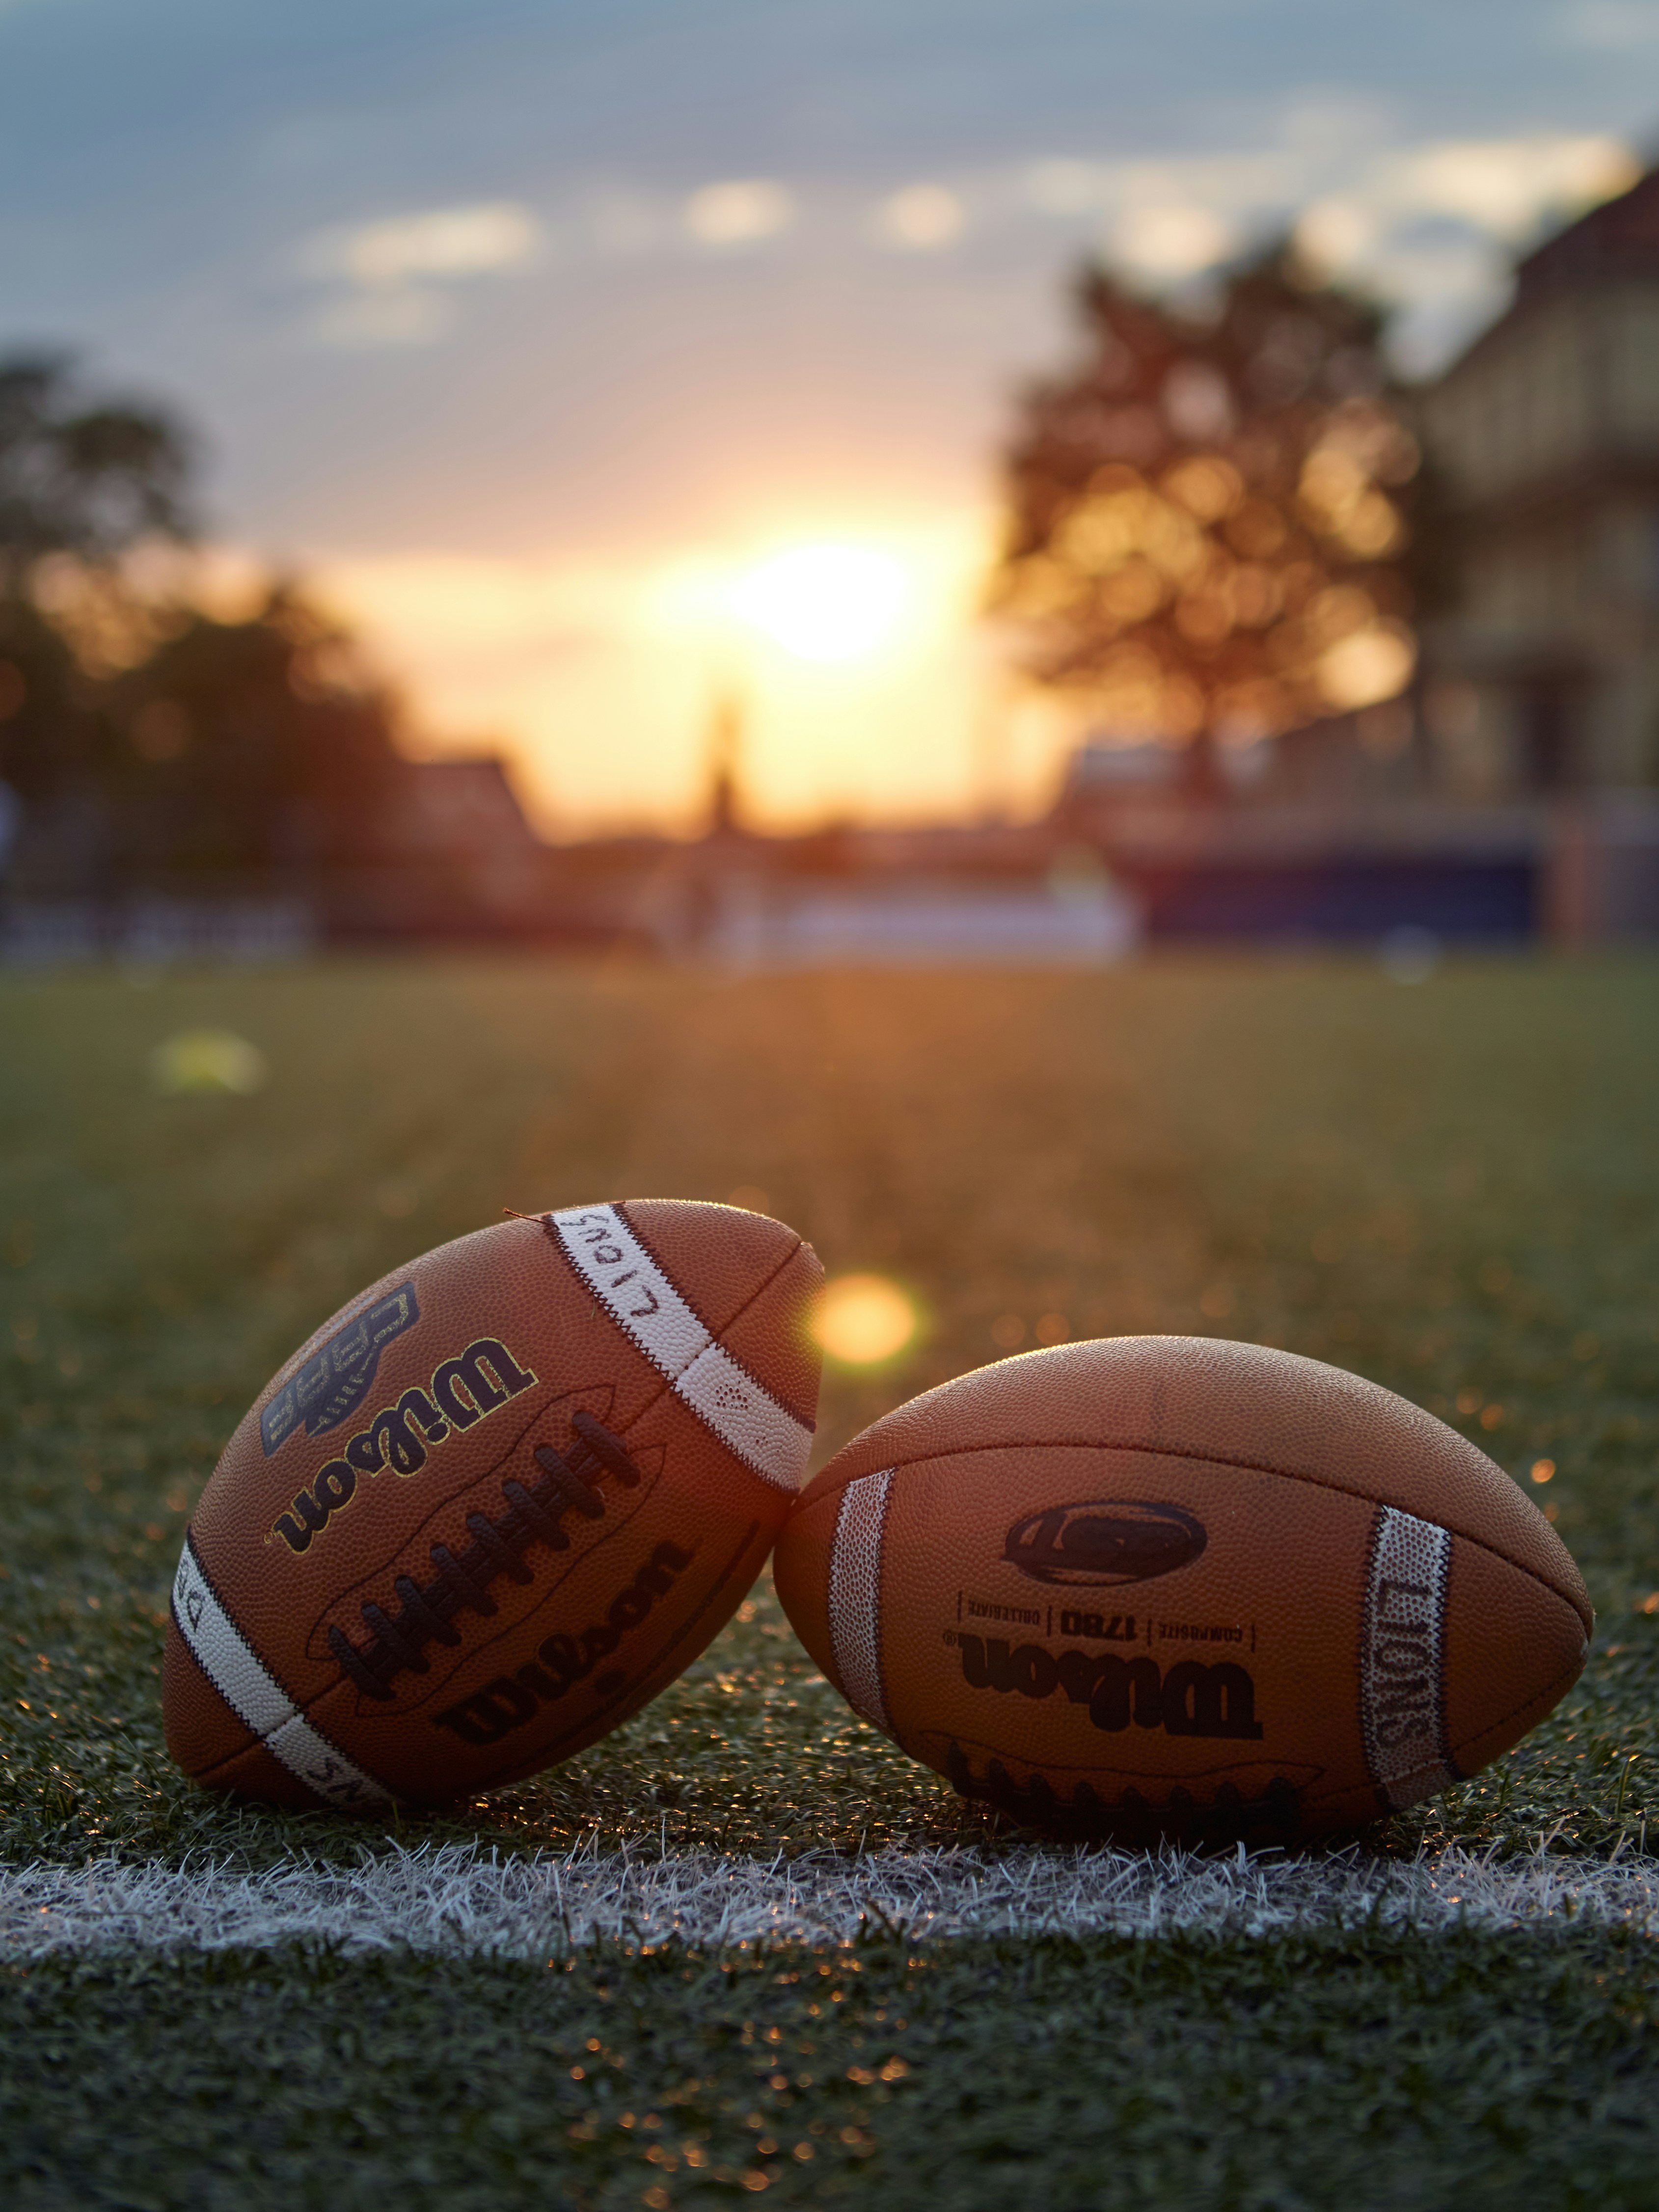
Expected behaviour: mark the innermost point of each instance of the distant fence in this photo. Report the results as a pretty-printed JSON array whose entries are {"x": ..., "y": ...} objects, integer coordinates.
[
  {"x": 1341, "y": 900},
  {"x": 902, "y": 926},
  {"x": 1587, "y": 874},
  {"x": 156, "y": 932}
]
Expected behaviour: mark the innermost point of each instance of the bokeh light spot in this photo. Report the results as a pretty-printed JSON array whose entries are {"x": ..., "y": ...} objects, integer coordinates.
[
  {"x": 864, "y": 1319},
  {"x": 207, "y": 1059}
]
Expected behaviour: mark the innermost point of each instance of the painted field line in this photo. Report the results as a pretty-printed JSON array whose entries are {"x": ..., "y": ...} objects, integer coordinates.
[{"x": 463, "y": 1900}]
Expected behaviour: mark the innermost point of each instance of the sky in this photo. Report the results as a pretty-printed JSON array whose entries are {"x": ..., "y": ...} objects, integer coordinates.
[{"x": 600, "y": 359}]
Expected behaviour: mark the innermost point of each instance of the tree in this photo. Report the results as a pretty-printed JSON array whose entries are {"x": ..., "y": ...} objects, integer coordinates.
[
  {"x": 85, "y": 478},
  {"x": 197, "y": 749},
  {"x": 55, "y": 757},
  {"x": 1209, "y": 519},
  {"x": 254, "y": 749}
]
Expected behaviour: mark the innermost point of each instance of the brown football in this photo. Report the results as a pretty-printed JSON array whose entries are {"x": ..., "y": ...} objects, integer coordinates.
[
  {"x": 494, "y": 1505},
  {"x": 1170, "y": 1586}
]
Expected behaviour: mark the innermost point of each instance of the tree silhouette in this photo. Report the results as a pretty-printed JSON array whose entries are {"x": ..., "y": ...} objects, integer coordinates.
[
  {"x": 254, "y": 749},
  {"x": 88, "y": 478},
  {"x": 1209, "y": 520},
  {"x": 226, "y": 752}
]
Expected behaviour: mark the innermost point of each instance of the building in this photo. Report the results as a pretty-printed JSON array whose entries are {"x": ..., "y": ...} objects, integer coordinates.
[
  {"x": 1542, "y": 679},
  {"x": 459, "y": 861}
]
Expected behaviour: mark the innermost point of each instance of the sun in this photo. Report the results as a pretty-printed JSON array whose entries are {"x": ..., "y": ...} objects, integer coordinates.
[{"x": 826, "y": 603}]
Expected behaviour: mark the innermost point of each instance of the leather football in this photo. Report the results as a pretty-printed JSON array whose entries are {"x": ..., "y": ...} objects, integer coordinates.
[
  {"x": 494, "y": 1506},
  {"x": 1169, "y": 1586}
]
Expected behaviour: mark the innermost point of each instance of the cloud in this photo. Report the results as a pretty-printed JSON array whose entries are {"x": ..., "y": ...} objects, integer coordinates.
[
  {"x": 1171, "y": 242},
  {"x": 387, "y": 277},
  {"x": 1429, "y": 227},
  {"x": 1165, "y": 220},
  {"x": 1505, "y": 185},
  {"x": 1422, "y": 224},
  {"x": 1432, "y": 229},
  {"x": 439, "y": 242},
  {"x": 739, "y": 212},
  {"x": 921, "y": 218}
]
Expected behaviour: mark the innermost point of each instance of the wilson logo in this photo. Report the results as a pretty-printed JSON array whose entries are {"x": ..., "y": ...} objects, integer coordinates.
[
  {"x": 1191, "y": 1699},
  {"x": 562, "y": 1662},
  {"x": 463, "y": 1392},
  {"x": 1116, "y": 1540}
]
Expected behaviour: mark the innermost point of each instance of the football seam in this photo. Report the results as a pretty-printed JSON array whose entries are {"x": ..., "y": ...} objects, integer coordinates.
[
  {"x": 302, "y": 1707},
  {"x": 254, "y": 1742},
  {"x": 1204, "y": 1459},
  {"x": 717, "y": 1335},
  {"x": 716, "y": 1339},
  {"x": 1567, "y": 1677},
  {"x": 319, "y": 1335}
]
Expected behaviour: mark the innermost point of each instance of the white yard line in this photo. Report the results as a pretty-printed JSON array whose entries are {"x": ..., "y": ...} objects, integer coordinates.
[{"x": 465, "y": 1901}]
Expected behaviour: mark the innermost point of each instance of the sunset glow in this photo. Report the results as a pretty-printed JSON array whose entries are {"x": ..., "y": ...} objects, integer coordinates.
[
  {"x": 853, "y": 648},
  {"x": 826, "y": 603}
]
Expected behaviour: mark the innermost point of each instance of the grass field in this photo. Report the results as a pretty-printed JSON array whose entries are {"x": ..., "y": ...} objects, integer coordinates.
[{"x": 1450, "y": 1187}]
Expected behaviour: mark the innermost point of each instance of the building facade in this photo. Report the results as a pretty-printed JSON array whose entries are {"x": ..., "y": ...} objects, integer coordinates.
[{"x": 1542, "y": 675}]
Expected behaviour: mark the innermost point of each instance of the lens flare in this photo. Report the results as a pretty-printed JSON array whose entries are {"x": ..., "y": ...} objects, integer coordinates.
[{"x": 864, "y": 1319}]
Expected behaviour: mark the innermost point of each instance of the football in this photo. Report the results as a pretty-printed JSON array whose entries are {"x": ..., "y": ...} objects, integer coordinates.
[
  {"x": 1174, "y": 1587},
  {"x": 496, "y": 1505}
]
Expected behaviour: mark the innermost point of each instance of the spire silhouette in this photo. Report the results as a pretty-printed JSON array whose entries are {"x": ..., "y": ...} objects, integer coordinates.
[{"x": 725, "y": 731}]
